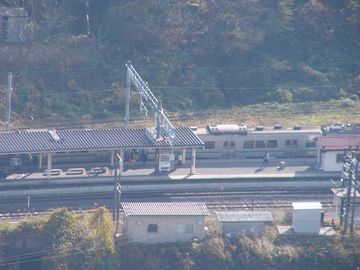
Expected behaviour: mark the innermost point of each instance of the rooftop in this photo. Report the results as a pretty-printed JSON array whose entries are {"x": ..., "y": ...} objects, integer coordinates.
[
  {"x": 165, "y": 208},
  {"x": 236, "y": 216},
  {"x": 339, "y": 142},
  {"x": 306, "y": 205}
]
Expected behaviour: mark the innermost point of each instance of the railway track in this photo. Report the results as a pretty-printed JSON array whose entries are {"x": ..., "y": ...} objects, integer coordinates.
[
  {"x": 254, "y": 199},
  {"x": 212, "y": 206},
  {"x": 257, "y": 205},
  {"x": 195, "y": 193}
]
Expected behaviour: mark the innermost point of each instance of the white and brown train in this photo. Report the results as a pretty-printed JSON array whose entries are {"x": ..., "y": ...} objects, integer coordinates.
[{"x": 239, "y": 141}]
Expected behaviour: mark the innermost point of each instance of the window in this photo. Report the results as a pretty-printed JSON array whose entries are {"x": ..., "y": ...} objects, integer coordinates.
[
  {"x": 310, "y": 144},
  {"x": 232, "y": 144},
  {"x": 153, "y": 228},
  {"x": 249, "y": 144},
  {"x": 209, "y": 145},
  {"x": 226, "y": 144},
  {"x": 271, "y": 144},
  {"x": 259, "y": 144},
  {"x": 291, "y": 143}
]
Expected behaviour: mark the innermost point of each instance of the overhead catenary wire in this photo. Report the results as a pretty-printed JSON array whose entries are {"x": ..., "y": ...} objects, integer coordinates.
[{"x": 85, "y": 92}]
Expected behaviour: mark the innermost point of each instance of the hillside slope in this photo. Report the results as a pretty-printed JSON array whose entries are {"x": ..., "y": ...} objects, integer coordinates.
[{"x": 195, "y": 54}]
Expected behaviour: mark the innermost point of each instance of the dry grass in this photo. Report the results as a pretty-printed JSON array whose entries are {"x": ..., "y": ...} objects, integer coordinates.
[{"x": 267, "y": 114}]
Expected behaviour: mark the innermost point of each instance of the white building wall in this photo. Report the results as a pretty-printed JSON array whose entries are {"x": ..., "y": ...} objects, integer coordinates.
[
  {"x": 243, "y": 228},
  {"x": 307, "y": 220},
  {"x": 329, "y": 161},
  {"x": 169, "y": 228}
]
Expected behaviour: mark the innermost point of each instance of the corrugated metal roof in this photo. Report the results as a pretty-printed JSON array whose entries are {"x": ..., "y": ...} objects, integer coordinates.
[
  {"x": 306, "y": 205},
  {"x": 165, "y": 209},
  {"x": 18, "y": 142},
  {"x": 241, "y": 216},
  {"x": 339, "y": 142}
]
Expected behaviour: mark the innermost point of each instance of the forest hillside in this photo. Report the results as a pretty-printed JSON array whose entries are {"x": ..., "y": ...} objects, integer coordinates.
[{"x": 195, "y": 54}]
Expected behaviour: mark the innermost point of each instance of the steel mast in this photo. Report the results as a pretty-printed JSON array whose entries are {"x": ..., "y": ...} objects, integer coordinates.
[{"x": 147, "y": 98}]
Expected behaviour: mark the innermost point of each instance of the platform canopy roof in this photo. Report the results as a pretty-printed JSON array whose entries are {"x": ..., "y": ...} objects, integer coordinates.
[{"x": 40, "y": 141}]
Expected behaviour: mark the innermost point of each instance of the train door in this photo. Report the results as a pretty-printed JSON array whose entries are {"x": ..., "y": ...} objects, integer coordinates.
[
  {"x": 291, "y": 147},
  {"x": 229, "y": 149}
]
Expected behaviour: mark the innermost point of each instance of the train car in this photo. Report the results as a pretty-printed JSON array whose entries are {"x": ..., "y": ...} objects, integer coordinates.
[{"x": 239, "y": 141}]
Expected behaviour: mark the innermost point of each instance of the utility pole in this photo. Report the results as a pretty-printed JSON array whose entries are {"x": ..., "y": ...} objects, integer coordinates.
[
  {"x": 117, "y": 192},
  {"x": 127, "y": 96},
  {"x": 350, "y": 177},
  {"x": 9, "y": 101},
  {"x": 354, "y": 198}
]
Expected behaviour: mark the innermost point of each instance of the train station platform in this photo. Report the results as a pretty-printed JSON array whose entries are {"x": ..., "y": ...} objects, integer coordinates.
[{"x": 205, "y": 169}]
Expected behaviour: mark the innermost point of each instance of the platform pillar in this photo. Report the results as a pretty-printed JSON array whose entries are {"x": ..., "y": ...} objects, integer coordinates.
[
  {"x": 183, "y": 156},
  {"x": 121, "y": 165},
  {"x": 40, "y": 160},
  {"x": 112, "y": 158},
  {"x": 193, "y": 159},
  {"x": 49, "y": 164}
]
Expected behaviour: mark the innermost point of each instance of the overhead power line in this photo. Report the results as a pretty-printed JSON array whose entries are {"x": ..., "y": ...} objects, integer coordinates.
[{"x": 257, "y": 88}]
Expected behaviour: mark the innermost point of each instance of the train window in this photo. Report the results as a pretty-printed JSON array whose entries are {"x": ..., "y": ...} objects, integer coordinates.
[
  {"x": 226, "y": 144},
  {"x": 310, "y": 144},
  {"x": 259, "y": 144},
  {"x": 291, "y": 143},
  {"x": 209, "y": 145},
  {"x": 271, "y": 144},
  {"x": 248, "y": 144},
  {"x": 232, "y": 144}
]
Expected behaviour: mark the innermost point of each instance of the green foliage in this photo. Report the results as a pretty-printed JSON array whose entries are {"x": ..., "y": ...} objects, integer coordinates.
[
  {"x": 64, "y": 236},
  {"x": 86, "y": 242},
  {"x": 102, "y": 227},
  {"x": 281, "y": 95},
  {"x": 195, "y": 54}
]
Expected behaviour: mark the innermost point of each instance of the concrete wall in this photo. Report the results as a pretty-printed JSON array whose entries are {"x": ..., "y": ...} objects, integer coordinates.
[
  {"x": 328, "y": 161},
  {"x": 170, "y": 228},
  {"x": 243, "y": 228},
  {"x": 307, "y": 220}
]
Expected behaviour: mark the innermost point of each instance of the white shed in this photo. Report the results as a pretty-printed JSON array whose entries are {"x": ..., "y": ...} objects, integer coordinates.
[
  {"x": 159, "y": 222},
  {"x": 307, "y": 217},
  {"x": 331, "y": 151},
  {"x": 233, "y": 223}
]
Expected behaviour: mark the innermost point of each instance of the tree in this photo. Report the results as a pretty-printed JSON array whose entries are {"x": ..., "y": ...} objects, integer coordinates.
[
  {"x": 102, "y": 227},
  {"x": 64, "y": 236}
]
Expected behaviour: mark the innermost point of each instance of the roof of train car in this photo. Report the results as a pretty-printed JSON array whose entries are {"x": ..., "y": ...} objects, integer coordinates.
[
  {"x": 37, "y": 141},
  {"x": 266, "y": 130}
]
